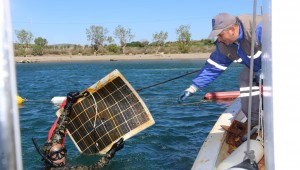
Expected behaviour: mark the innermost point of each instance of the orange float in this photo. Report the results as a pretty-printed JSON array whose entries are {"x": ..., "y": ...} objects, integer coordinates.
[{"x": 222, "y": 95}]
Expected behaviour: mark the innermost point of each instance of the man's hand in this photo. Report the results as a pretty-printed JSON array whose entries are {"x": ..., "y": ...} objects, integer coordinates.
[
  {"x": 183, "y": 96},
  {"x": 187, "y": 93},
  {"x": 116, "y": 147},
  {"x": 72, "y": 97}
]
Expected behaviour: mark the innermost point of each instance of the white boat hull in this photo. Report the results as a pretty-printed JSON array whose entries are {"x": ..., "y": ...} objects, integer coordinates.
[{"x": 213, "y": 151}]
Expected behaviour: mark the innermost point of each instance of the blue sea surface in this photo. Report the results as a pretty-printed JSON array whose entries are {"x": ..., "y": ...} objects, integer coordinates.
[{"x": 172, "y": 142}]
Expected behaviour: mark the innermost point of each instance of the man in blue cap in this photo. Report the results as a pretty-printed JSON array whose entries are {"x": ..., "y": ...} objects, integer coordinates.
[{"x": 233, "y": 43}]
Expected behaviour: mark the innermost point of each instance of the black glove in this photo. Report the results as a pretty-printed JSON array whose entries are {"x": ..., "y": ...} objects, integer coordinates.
[
  {"x": 116, "y": 147},
  {"x": 72, "y": 97}
]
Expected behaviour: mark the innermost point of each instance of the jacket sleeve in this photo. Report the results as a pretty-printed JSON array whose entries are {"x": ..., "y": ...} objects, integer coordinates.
[
  {"x": 214, "y": 67},
  {"x": 258, "y": 33}
]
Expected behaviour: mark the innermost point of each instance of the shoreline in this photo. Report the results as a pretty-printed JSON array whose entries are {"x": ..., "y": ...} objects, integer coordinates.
[{"x": 74, "y": 58}]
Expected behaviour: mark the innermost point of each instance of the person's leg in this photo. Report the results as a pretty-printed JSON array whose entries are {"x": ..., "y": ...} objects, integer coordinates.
[{"x": 245, "y": 91}]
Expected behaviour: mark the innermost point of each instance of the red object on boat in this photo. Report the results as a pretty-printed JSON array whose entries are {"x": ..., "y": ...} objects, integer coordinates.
[{"x": 222, "y": 95}]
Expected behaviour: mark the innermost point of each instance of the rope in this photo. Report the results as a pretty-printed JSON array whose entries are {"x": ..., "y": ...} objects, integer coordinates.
[
  {"x": 192, "y": 103},
  {"x": 94, "y": 126},
  {"x": 96, "y": 109},
  {"x": 47, "y": 101},
  {"x": 140, "y": 89},
  {"x": 260, "y": 133},
  {"x": 159, "y": 98}
]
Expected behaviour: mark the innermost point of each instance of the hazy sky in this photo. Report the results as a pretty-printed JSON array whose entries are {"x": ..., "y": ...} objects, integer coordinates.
[{"x": 66, "y": 21}]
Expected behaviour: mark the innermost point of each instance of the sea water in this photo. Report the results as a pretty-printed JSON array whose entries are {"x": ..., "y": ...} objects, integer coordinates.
[{"x": 172, "y": 142}]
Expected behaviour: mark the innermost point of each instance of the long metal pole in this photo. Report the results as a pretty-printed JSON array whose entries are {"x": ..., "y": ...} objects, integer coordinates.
[
  {"x": 250, "y": 154},
  {"x": 10, "y": 140}
]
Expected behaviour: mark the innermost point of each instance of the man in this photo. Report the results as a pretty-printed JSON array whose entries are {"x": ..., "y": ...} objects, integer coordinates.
[
  {"x": 233, "y": 43},
  {"x": 54, "y": 153}
]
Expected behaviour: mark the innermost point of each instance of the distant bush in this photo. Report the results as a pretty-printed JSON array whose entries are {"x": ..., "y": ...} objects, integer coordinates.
[
  {"x": 87, "y": 52},
  {"x": 20, "y": 52},
  {"x": 37, "y": 50},
  {"x": 113, "y": 48},
  {"x": 136, "y": 44},
  {"x": 136, "y": 47},
  {"x": 207, "y": 42}
]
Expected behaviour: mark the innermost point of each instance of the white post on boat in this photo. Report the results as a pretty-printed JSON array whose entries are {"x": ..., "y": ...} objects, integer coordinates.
[
  {"x": 10, "y": 140},
  {"x": 250, "y": 153}
]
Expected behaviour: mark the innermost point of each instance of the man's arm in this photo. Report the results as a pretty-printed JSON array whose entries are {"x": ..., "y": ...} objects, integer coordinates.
[
  {"x": 60, "y": 129},
  {"x": 110, "y": 154},
  {"x": 213, "y": 68},
  {"x": 105, "y": 159}
]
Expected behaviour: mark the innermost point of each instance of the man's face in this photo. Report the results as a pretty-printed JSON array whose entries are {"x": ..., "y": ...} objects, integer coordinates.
[
  {"x": 57, "y": 154},
  {"x": 227, "y": 36}
]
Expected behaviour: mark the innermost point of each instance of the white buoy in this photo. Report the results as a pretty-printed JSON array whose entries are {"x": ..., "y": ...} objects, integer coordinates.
[
  {"x": 237, "y": 156},
  {"x": 57, "y": 100}
]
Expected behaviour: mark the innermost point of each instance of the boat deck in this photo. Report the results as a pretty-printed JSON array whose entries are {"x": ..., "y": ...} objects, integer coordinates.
[{"x": 213, "y": 151}]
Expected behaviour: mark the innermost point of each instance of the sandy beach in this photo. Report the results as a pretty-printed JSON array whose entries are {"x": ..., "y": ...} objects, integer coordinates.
[{"x": 73, "y": 58}]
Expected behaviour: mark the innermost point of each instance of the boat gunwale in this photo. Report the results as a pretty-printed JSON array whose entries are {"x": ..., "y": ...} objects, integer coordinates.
[{"x": 209, "y": 155}]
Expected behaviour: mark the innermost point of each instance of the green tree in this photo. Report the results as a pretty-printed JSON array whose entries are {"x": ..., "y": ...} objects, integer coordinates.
[
  {"x": 159, "y": 39},
  {"x": 97, "y": 36},
  {"x": 39, "y": 46},
  {"x": 25, "y": 38},
  {"x": 124, "y": 36},
  {"x": 110, "y": 39},
  {"x": 41, "y": 42},
  {"x": 184, "y": 38}
]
